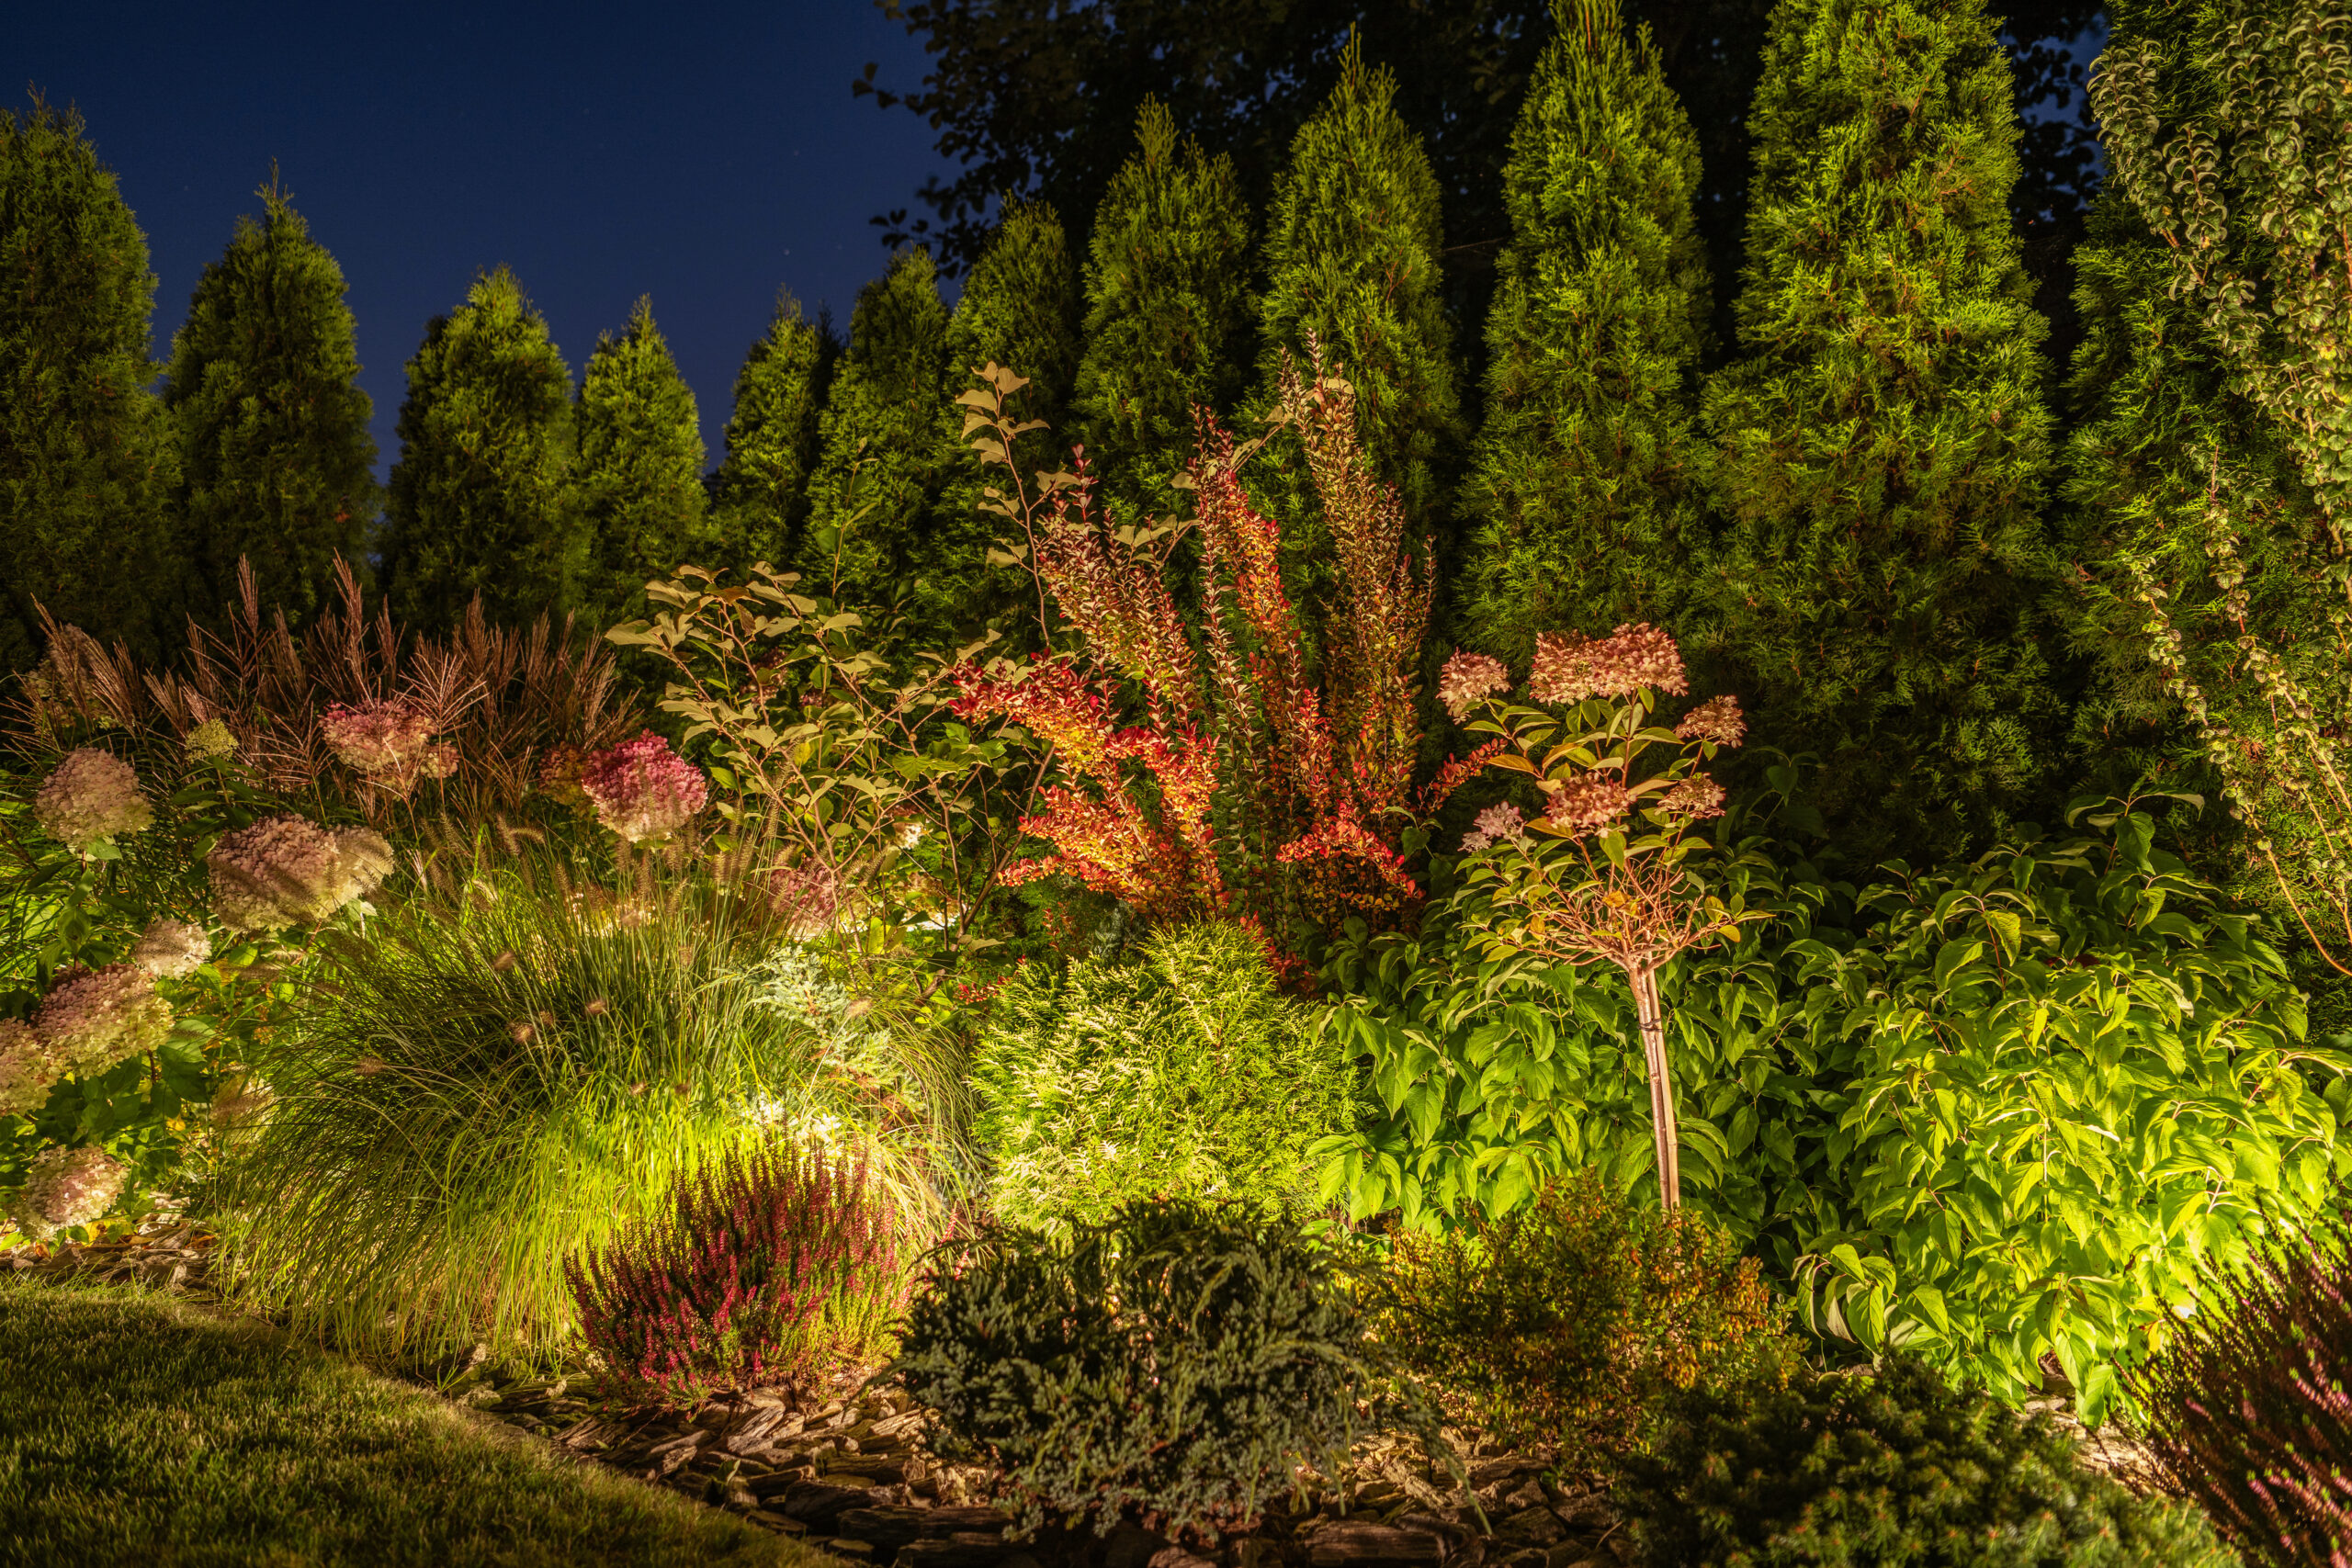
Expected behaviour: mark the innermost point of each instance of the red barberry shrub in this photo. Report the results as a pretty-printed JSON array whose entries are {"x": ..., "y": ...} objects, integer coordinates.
[
  {"x": 2247, "y": 1411},
  {"x": 772, "y": 1268}
]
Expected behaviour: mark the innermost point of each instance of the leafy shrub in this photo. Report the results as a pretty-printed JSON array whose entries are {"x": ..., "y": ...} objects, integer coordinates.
[
  {"x": 777, "y": 1267},
  {"x": 1571, "y": 1319},
  {"x": 1892, "y": 1471},
  {"x": 1175, "y": 1363},
  {"x": 2246, "y": 1408},
  {"x": 1183, "y": 1074}
]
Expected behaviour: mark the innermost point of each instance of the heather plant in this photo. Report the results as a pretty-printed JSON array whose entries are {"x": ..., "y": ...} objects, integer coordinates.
[
  {"x": 1173, "y": 1366},
  {"x": 1182, "y": 1072},
  {"x": 1571, "y": 1321},
  {"x": 2244, "y": 1406},
  {"x": 1890, "y": 1469},
  {"x": 774, "y": 1267}
]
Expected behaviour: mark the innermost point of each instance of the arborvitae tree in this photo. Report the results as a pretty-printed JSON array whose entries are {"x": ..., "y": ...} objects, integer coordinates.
[
  {"x": 1584, "y": 500},
  {"x": 276, "y": 466},
  {"x": 1020, "y": 309},
  {"x": 760, "y": 495},
  {"x": 481, "y": 499},
  {"x": 85, "y": 452},
  {"x": 1352, "y": 261},
  {"x": 1168, "y": 315},
  {"x": 1883, "y": 441},
  {"x": 640, "y": 470},
  {"x": 874, "y": 499}
]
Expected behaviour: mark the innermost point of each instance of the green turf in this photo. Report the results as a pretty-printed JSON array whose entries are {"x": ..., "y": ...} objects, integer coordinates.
[{"x": 138, "y": 1430}]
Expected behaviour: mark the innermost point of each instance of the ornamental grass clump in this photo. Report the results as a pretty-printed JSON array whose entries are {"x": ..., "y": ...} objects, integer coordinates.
[
  {"x": 2247, "y": 1409},
  {"x": 772, "y": 1268}
]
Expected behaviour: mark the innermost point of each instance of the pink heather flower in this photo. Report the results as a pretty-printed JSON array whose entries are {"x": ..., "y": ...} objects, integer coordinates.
[
  {"x": 91, "y": 797},
  {"x": 389, "y": 743},
  {"x": 1631, "y": 659},
  {"x": 641, "y": 789},
  {"x": 284, "y": 871},
  {"x": 91, "y": 1020},
  {"x": 26, "y": 1068},
  {"x": 1695, "y": 797},
  {"x": 171, "y": 950},
  {"x": 67, "y": 1187},
  {"x": 1468, "y": 679},
  {"x": 1491, "y": 826},
  {"x": 1717, "y": 722},
  {"x": 1588, "y": 803}
]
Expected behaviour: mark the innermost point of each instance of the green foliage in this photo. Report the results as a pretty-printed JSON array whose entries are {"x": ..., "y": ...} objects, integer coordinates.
[
  {"x": 481, "y": 501},
  {"x": 1585, "y": 505},
  {"x": 1351, "y": 264},
  {"x": 640, "y": 470},
  {"x": 1183, "y": 1074},
  {"x": 1168, "y": 313},
  {"x": 1571, "y": 1320},
  {"x": 1882, "y": 438},
  {"x": 85, "y": 454},
  {"x": 276, "y": 466},
  {"x": 1890, "y": 1471},
  {"x": 1175, "y": 1363},
  {"x": 760, "y": 495},
  {"x": 873, "y": 498}
]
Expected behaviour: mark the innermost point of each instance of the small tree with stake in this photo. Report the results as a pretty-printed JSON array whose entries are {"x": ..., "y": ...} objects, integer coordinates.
[{"x": 1605, "y": 874}]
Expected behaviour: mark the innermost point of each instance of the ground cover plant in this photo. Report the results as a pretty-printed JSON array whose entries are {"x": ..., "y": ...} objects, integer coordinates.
[{"x": 138, "y": 1430}]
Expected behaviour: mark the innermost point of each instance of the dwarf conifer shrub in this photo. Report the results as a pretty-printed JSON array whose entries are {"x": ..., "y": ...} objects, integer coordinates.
[
  {"x": 1573, "y": 1319},
  {"x": 2247, "y": 1411},
  {"x": 1173, "y": 1365},
  {"x": 770, "y": 1266},
  {"x": 1898, "y": 1469}
]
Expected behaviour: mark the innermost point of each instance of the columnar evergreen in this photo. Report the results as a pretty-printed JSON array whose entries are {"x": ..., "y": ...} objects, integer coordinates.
[
  {"x": 277, "y": 465},
  {"x": 1169, "y": 314},
  {"x": 640, "y": 470},
  {"x": 1351, "y": 262},
  {"x": 1883, "y": 441},
  {"x": 874, "y": 499},
  {"x": 1584, "y": 501},
  {"x": 481, "y": 499},
  {"x": 85, "y": 453},
  {"x": 760, "y": 495}
]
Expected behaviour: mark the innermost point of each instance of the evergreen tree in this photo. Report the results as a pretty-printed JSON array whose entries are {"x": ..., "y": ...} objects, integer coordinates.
[
  {"x": 1883, "y": 441},
  {"x": 1584, "y": 501},
  {"x": 1168, "y": 312},
  {"x": 481, "y": 499},
  {"x": 85, "y": 454},
  {"x": 760, "y": 495},
  {"x": 276, "y": 466},
  {"x": 640, "y": 470},
  {"x": 874, "y": 499},
  {"x": 1351, "y": 262}
]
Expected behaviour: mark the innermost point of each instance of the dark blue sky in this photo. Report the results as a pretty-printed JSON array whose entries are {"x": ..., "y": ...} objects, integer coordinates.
[{"x": 705, "y": 154}]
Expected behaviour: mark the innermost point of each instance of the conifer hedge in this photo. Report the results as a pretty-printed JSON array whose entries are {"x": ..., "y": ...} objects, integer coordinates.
[
  {"x": 760, "y": 494},
  {"x": 639, "y": 475}
]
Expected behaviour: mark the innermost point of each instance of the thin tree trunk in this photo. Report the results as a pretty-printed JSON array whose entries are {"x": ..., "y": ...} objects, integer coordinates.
[{"x": 1652, "y": 1013}]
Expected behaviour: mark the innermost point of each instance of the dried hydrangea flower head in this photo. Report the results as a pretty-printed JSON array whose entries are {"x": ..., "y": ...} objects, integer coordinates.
[
  {"x": 1715, "y": 722},
  {"x": 643, "y": 790},
  {"x": 67, "y": 1187},
  {"x": 208, "y": 742},
  {"x": 1495, "y": 825},
  {"x": 560, "y": 776},
  {"x": 171, "y": 950},
  {"x": 93, "y": 1018},
  {"x": 389, "y": 743},
  {"x": 1469, "y": 679},
  {"x": 28, "y": 1069},
  {"x": 93, "y": 797},
  {"x": 1629, "y": 660},
  {"x": 286, "y": 871}
]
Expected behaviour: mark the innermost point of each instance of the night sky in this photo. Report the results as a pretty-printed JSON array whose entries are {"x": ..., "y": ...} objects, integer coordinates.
[{"x": 705, "y": 154}]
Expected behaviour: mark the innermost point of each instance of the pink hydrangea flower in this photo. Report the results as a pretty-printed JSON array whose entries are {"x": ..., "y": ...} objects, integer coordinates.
[
  {"x": 93, "y": 1018},
  {"x": 1629, "y": 660},
  {"x": 91, "y": 797},
  {"x": 171, "y": 950},
  {"x": 388, "y": 743},
  {"x": 808, "y": 898},
  {"x": 67, "y": 1187},
  {"x": 1717, "y": 721},
  {"x": 1467, "y": 680},
  {"x": 1492, "y": 826},
  {"x": 28, "y": 1071},
  {"x": 1696, "y": 797},
  {"x": 285, "y": 871},
  {"x": 1586, "y": 804},
  {"x": 642, "y": 790}
]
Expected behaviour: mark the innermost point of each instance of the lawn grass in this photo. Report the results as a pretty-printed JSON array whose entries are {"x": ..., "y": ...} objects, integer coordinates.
[{"x": 136, "y": 1430}]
